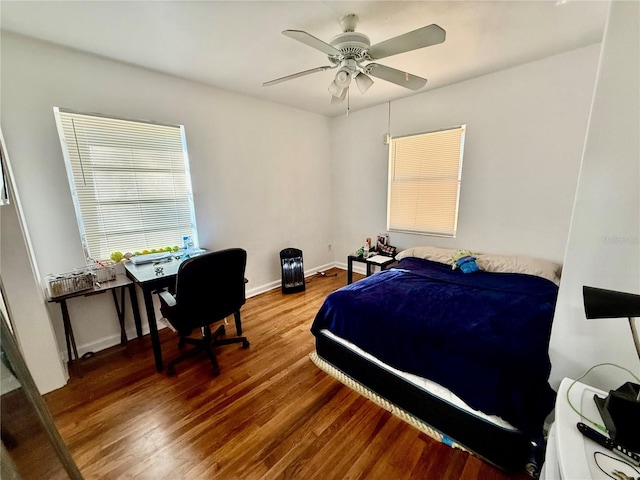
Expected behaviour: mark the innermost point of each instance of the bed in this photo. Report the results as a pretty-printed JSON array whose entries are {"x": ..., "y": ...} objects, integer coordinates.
[{"x": 461, "y": 356}]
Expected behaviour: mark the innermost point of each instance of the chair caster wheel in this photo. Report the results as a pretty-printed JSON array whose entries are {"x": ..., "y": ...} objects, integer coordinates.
[
  {"x": 245, "y": 344},
  {"x": 181, "y": 344},
  {"x": 215, "y": 372},
  {"x": 171, "y": 370}
]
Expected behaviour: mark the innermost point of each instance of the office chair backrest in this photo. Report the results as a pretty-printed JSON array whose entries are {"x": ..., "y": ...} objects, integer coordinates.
[{"x": 210, "y": 287}]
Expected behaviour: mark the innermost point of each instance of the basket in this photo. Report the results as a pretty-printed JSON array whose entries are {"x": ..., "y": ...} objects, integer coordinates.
[
  {"x": 104, "y": 272},
  {"x": 66, "y": 283}
]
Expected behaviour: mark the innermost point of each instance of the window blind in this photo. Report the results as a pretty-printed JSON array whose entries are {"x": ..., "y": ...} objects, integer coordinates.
[
  {"x": 130, "y": 182},
  {"x": 424, "y": 182}
]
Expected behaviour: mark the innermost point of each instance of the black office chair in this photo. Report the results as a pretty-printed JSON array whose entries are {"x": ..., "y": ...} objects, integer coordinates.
[{"x": 209, "y": 288}]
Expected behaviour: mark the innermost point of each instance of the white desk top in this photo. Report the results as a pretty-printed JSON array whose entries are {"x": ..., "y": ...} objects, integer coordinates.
[{"x": 576, "y": 452}]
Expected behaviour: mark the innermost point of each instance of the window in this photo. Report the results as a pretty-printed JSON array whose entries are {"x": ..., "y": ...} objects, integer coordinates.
[
  {"x": 424, "y": 182},
  {"x": 130, "y": 182}
]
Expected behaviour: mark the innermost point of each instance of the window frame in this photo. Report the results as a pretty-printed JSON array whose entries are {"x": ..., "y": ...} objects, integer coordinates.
[
  {"x": 77, "y": 203},
  {"x": 392, "y": 224}
]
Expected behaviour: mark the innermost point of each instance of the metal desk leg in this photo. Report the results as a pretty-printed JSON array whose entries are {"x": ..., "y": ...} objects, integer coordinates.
[
  {"x": 68, "y": 334},
  {"x": 153, "y": 327},
  {"x": 136, "y": 309},
  {"x": 349, "y": 271},
  {"x": 120, "y": 311}
]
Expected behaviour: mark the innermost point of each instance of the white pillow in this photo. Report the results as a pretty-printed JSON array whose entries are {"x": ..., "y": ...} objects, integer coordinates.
[
  {"x": 519, "y": 264},
  {"x": 435, "y": 254},
  {"x": 490, "y": 262}
]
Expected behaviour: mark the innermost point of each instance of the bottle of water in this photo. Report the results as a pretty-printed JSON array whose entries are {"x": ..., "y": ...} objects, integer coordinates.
[{"x": 187, "y": 245}]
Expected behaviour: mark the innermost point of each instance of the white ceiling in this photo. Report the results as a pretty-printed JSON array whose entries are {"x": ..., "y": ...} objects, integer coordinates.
[{"x": 238, "y": 45}]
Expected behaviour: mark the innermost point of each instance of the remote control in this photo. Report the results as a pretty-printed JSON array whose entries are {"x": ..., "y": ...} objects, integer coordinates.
[{"x": 609, "y": 444}]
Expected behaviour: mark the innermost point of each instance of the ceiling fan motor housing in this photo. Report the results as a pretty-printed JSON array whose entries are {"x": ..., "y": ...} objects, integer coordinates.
[{"x": 352, "y": 45}]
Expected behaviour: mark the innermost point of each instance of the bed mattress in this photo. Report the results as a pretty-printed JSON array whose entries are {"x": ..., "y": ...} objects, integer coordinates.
[
  {"x": 422, "y": 383},
  {"x": 488, "y": 437}
]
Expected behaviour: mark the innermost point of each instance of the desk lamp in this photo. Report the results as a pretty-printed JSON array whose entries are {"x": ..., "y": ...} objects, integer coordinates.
[{"x": 620, "y": 410}]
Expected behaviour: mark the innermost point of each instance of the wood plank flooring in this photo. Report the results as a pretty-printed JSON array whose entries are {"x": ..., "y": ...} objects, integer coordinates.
[{"x": 270, "y": 414}]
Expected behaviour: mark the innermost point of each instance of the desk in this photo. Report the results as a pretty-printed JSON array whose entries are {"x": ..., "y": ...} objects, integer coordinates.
[
  {"x": 120, "y": 282},
  {"x": 152, "y": 277},
  {"x": 369, "y": 262},
  {"x": 570, "y": 455}
]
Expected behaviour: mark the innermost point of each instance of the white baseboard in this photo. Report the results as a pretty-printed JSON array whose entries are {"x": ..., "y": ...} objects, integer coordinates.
[{"x": 113, "y": 340}]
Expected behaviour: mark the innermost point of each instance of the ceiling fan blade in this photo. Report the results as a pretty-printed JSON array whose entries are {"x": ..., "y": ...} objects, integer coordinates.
[
  {"x": 398, "y": 77},
  {"x": 363, "y": 81},
  {"x": 296, "y": 75},
  {"x": 312, "y": 41},
  {"x": 420, "y": 38}
]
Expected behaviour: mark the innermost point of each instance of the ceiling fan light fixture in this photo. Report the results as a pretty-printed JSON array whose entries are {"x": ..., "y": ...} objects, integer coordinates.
[
  {"x": 363, "y": 82},
  {"x": 335, "y": 89},
  {"x": 340, "y": 98},
  {"x": 343, "y": 77}
]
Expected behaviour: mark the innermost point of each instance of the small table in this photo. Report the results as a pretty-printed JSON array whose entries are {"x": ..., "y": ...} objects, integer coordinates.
[
  {"x": 375, "y": 260},
  {"x": 152, "y": 277},
  {"x": 121, "y": 282}
]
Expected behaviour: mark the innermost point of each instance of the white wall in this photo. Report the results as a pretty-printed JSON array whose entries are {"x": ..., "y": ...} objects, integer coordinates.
[
  {"x": 603, "y": 249},
  {"x": 260, "y": 171},
  {"x": 525, "y": 132},
  {"x": 26, "y": 305},
  {"x": 525, "y": 135}
]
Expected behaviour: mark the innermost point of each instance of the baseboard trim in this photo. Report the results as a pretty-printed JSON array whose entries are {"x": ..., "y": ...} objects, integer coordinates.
[{"x": 113, "y": 340}]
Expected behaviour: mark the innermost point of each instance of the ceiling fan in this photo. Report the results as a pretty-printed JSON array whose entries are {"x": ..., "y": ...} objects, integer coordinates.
[{"x": 348, "y": 50}]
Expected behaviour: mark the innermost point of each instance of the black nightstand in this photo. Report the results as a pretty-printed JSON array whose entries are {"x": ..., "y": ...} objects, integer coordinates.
[{"x": 375, "y": 260}]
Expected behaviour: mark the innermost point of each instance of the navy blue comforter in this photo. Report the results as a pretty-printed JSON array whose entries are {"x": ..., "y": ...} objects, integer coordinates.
[{"x": 484, "y": 336}]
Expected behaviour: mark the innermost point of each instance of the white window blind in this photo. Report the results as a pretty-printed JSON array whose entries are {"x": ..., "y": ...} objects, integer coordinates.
[
  {"x": 130, "y": 182},
  {"x": 424, "y": 182}
]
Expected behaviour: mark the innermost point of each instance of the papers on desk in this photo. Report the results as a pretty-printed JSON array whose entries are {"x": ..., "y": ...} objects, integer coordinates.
[
  {"x": 150, "y": 257},
  {"x": 379, "y": 259}
]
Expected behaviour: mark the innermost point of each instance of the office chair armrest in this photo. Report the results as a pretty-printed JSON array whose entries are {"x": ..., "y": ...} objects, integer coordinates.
[{"x": 166, "y": 298}]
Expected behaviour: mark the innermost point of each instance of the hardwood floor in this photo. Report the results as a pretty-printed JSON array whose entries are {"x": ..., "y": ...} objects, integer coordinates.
[{"x": 271, "y": 413}]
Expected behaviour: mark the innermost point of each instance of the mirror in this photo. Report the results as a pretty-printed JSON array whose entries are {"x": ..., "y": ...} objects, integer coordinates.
[
  {"x": 4, "y": 189},
  {"x": 31, "y": 445}
]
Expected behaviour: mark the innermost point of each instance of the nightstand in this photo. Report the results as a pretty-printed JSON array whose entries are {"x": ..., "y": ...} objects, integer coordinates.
[
  {"x": 569, "y": 454},
  {"x": 375, "y": 260}
]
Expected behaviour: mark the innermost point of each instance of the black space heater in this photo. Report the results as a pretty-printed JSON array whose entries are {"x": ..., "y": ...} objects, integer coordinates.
[{"x": 292, "y": 270}]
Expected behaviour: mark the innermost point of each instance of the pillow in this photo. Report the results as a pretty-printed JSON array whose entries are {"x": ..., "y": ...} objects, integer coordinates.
[
  {"x": 435, "y": 254},
  {"x": 519, "y": 264}
]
